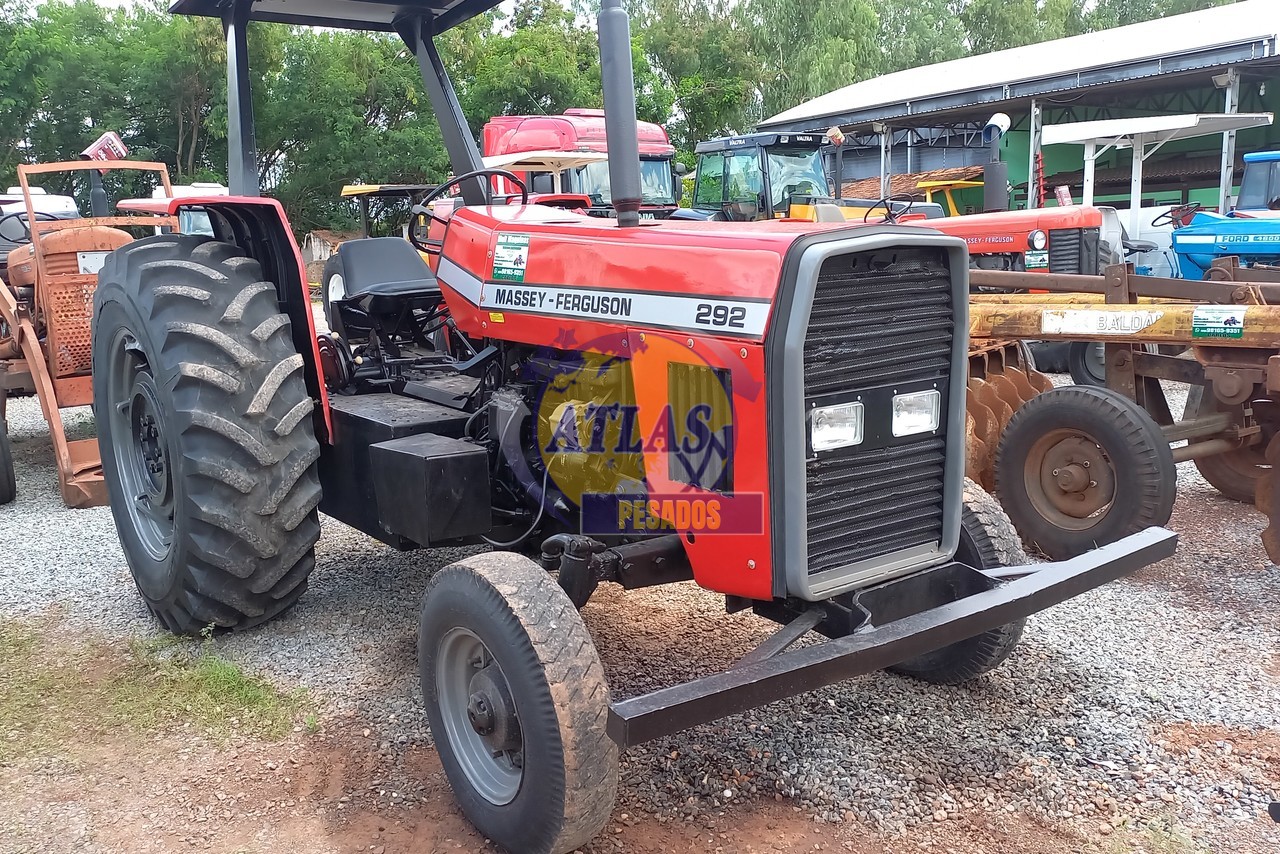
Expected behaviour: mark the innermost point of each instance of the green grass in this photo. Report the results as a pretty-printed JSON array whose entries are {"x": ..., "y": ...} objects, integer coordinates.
[{"x": 53, "y": 692}]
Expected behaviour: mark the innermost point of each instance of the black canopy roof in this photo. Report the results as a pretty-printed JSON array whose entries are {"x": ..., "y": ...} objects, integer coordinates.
[{"x": 344, "y": 14}]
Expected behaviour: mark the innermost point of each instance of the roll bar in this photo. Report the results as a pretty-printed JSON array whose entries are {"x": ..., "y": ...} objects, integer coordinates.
[{"x": 418, "y": 23}]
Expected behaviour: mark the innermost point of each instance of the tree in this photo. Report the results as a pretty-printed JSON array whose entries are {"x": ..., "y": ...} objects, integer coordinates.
[
  {"x": 702, "y": 53},
  {"x": 177, "y": 80},
  {"x": 807, "y": 49},
  {"x": 542, "y": 61},
  {"x": 919, "y": 32},
  {"x": 1117, "y": 13}
]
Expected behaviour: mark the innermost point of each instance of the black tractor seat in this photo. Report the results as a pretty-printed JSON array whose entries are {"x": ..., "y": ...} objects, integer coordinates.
[
  {"x": 1131, "y": 246},
  {"x": 385, "y": 267}
]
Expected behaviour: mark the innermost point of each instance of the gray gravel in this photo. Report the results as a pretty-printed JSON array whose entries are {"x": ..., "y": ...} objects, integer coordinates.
[{"x": 1086, "y": 725}]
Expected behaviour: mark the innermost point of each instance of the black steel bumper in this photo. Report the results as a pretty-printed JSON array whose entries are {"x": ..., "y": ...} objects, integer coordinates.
[{"x": 774, "y": 674}]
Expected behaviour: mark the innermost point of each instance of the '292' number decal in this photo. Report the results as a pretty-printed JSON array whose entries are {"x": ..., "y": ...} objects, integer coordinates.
[{"x": 732, "y": 316}]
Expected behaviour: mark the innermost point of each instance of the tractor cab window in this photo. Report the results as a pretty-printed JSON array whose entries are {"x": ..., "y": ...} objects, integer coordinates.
[
  {"x": 708, "y": 190},
  {"x": 1260, "y": 187},
  {"x": 655, "y": 182},
  {"x": 744, "y": 180},
  {"x": 795, "y": 172}
]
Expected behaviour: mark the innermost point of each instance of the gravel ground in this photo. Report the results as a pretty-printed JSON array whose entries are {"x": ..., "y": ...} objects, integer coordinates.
[{"x": 1151, "y": 703}]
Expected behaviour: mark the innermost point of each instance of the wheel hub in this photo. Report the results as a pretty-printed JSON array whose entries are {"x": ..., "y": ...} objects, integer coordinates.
[
  {"x": 491, "y": 712},
  {"x": 1072, "y": 477},
  {"x": 479, "y": 716},
  {"x": 140, "y": 445}
]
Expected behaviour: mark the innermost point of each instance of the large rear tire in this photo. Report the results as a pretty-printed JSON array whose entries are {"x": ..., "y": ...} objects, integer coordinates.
[
  {"x": 206, "y": 433},
  {"x": 518, "y": 704},
  {"x": 987, "y": 540}
]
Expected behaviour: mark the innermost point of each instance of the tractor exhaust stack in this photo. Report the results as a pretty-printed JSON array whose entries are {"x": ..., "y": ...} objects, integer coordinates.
[{"x": 620, "y": 111}]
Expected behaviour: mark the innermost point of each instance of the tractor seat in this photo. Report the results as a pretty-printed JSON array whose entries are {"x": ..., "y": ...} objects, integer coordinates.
[
  {"x": 1131, "y": 246},
  {"x": 385, "y": 267}
]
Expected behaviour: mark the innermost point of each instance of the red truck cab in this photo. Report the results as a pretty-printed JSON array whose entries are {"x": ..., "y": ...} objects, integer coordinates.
[{"x": 581, "y": 129}]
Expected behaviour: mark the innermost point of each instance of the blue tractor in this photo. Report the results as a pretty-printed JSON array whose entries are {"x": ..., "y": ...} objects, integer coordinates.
[{"x": 1251, "y": 231}]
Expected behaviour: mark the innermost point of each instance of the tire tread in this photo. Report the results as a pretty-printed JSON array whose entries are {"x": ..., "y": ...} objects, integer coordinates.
[{"x": 247, "y": 492}]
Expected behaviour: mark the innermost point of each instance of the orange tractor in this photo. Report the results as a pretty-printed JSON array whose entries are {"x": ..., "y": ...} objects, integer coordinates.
[{"x": 46, "y": 300}]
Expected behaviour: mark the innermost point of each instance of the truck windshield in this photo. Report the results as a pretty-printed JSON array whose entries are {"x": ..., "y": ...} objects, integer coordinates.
[
  {"x": 795, "y": 172},
  {"x": 655, "y": 182},
  {"x": 1260, "y": 187}
]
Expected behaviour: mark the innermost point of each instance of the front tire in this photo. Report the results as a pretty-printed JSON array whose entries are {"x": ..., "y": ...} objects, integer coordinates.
[
  {"x": 987, "y": 541},
  {"x": 517, "y": 702},
  {"x": 205, "y": 429}
]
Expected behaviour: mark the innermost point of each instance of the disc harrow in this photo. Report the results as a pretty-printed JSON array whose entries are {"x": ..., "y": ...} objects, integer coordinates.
[
  {"x": 1002, "y": 377},
  {"x": 1219, "y": 337}
]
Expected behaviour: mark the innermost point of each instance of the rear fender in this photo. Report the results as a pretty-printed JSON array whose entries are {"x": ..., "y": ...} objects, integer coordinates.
[{"x": 259, "y": 227}]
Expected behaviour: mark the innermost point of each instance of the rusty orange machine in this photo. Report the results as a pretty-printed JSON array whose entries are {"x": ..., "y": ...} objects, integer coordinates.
[{"x": 45, "y": 308}]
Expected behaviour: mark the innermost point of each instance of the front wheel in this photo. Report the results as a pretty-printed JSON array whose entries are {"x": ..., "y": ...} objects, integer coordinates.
[
  {"x": 987, "y": 541},
  {"x": 1080, "y": 467},
  {"x": 517, "y": 702}
]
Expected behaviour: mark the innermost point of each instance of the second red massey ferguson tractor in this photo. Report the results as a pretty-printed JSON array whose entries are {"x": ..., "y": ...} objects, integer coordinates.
[{"x": 776, "y": 412}]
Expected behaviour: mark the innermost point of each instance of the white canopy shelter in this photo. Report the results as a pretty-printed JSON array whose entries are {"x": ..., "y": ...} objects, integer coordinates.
[
  {"x": 554, "y": 162},
  {"x": 1145, "y": 136}
]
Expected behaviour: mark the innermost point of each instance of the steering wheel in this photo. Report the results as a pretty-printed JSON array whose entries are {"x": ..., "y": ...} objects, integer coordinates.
[
  {"x": 423, "y": 208},
  {"x": 21, "y": 217},
  {"x": 890, "y": 215},
  {"x": 1176, "y": 214}
]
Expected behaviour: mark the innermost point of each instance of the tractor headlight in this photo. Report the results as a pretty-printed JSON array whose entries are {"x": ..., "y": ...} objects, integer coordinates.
[
  {"x": 835, "y": 426},
  {"x": 916, "y": 412},
  {"x": 1038, "y": 240}
]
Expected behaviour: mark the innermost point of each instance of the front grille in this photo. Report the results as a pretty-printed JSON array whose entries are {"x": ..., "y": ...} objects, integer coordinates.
[
  {"x": 879, "y": 319},
  {"x": 874, "y": 502},
  {"x": 1074, "y": 250}
]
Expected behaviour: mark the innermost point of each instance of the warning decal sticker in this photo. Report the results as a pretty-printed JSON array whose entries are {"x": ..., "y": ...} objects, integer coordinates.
[
  {"x": 510, "y": 257},
  {"x": 1218, "y": 321}
]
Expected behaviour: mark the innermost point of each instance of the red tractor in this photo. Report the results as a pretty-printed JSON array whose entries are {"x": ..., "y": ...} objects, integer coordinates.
[{"x": 775, "y": 411}]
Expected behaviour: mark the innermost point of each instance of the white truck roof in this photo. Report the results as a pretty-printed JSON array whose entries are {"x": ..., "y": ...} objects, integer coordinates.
[{"x": 197, "y": 188}]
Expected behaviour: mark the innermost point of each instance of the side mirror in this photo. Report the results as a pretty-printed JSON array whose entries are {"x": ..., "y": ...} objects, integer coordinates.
[
  {"x": 677, "y": 185},
  {"x": 681, "y": 169}
]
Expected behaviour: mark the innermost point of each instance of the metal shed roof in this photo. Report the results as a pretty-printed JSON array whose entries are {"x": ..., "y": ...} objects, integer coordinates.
[
  {"x": 344, "y": 14},
  {"x": 1166, "y": 128},
  {"x": 1227, "y": 35}
]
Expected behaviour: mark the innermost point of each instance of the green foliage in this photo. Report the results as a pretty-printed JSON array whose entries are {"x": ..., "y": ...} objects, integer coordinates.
[
  {"x": 807, "y": 49},
  {"x": 339, "y": 107}
]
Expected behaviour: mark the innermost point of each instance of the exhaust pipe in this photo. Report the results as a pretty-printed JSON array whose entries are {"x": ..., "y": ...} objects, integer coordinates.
[{"x": 621, "y": 131}]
